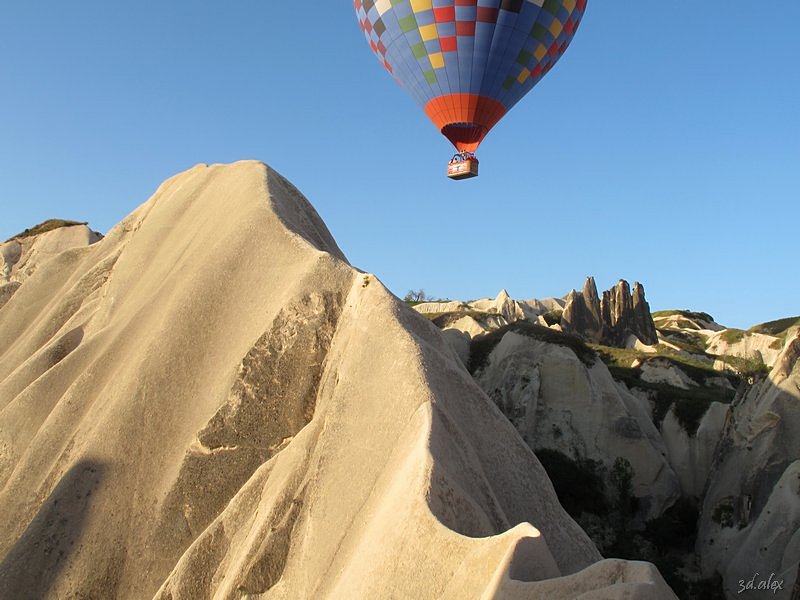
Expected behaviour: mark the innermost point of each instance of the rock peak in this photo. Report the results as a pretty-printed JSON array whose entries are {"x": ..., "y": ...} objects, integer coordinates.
[
  {"x": 582, "y": 314},
  {"x": 219, "y": 349},
  {"x": 612, "y": 318}
]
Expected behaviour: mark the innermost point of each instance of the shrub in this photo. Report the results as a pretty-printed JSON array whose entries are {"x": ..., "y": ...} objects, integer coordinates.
[
  {"x": 414, "y": 297},
  {"x": 621, "y": 479},
  {"x": 553, "y": 317},
  {"x": 747, "y": 367},
  {"x": 578, "y": 484},
  {"x": 723, "y": 513}
]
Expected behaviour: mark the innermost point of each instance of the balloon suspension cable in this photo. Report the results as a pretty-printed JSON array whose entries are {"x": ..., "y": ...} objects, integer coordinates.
[{"x": 463, "y": 156}]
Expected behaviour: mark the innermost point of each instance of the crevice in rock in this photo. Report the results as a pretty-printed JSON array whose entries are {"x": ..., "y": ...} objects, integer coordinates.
[{"x": 272, "y": 399}]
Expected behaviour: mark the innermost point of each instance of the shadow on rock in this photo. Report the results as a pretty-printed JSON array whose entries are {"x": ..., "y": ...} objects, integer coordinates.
[{"x": 42, "y": 552}]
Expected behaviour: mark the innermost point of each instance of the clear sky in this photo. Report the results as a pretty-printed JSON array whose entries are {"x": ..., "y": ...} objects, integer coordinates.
[{"x": 664, "y": 147}]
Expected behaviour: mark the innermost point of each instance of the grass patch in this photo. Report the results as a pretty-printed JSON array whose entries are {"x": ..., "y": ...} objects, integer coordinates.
[
  {"x": 688, "y": 314},
  {"x": 746, "y": 367},
  {"x": 45, "y": 226},
  {"x": 617, "y": 357},
  {"x": 686, "y": 341},
  {"x": 689, "y": 405},
  {"x": 697, "y": 368},
  {"x": 482, "y": 346},
  {"x": 777, "y": 328},
  {"x": 442, "y": 320},
  {"x": 732, "y": 336}
]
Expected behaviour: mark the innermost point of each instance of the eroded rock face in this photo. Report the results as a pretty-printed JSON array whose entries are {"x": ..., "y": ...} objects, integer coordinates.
[
  {"x": 611, "y": 320},
  {"x": 691, "y": 457},
  {"x": 582, "y": 313},
  {"x": 211, "y": 402},
  {"x": 643, "y": 326},
  {"x": 752, "y": 346},
  {"x": 627, "y": 314},
  {"x": 750, "y": 511},
  {"x": 21, "y": 257},
  {"x": 559, "y": 403}
]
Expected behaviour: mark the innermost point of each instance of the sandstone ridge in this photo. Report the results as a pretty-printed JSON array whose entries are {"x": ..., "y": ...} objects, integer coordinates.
[{"x": 211, "y": 402}]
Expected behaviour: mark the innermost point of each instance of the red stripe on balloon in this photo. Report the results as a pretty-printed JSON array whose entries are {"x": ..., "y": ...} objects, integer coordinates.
[{"x": 465, "y": 119}]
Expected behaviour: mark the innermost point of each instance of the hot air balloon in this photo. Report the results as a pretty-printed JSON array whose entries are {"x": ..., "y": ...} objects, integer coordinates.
[{"x": 468, "y": 62}]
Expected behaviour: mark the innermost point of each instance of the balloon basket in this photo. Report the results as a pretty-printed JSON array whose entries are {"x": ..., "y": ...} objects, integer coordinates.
[{"x": 465, "y": 168}]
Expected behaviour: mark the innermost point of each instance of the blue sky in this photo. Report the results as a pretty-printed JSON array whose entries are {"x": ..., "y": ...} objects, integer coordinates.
[{"x": 664, "y": 147}]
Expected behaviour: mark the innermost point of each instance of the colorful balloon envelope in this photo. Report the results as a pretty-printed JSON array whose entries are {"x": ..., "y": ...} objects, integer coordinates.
[{"x": 467, "y": 62}]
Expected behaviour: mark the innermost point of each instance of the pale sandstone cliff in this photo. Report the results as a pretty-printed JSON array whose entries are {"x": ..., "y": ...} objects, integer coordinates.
[
  {"x": 751, "y": 509},
  {"x": 212, "y": 403},
  {"x": 21, "y": 256},
  {"x": 558, "y": 402}
]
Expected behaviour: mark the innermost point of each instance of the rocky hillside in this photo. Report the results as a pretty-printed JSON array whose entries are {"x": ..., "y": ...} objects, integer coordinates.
[
  {"x": 680, "y": 450},
  {"x": 211, "y": 402},
  {"x": 21, "y": 255}
]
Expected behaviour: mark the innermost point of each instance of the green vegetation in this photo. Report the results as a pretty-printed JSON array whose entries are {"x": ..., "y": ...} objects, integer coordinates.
[
  {"x": 665, "y": 541},
  {"x": 747, "y": 367},
  {"x": 578, "y": 484},
  {"x": 46, "y": 226},
  {"x": 700, "y": 369},
  {"x": 625, "y": 503},
  {"x": 731, "y": 336},
  {"x": 442, "y": 320},
  {"x": 481, "y": 347},
  {"x": 723, "y": 513},
  {"x": 698, "y": 316},
  {"x": 553, "y": 317},
  {"x": 777, "y": 328},
  {"x": 690, "y": 405},
  {"x": 688, "y": 342}
]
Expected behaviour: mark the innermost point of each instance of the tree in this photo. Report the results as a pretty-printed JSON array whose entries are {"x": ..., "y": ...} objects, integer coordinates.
[
  {"x": 621, "y": 479},
  {"x": 417, "y": 296}
]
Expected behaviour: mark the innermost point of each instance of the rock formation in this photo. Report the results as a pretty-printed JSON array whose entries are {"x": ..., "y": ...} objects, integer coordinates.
[
  {"x": 751, "y": 511},
  {"x": 748, "y": 345},
  {"x": 21, "y": 256},
  {"x": 611, "y": 320},
  {"x": 558, "y": 402},
  {"x": 210, "y": 402},
  {"x": 691, "y": 456},
  {"x": 582, "y": 313},
  {"x": 626, "y": 314}
]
